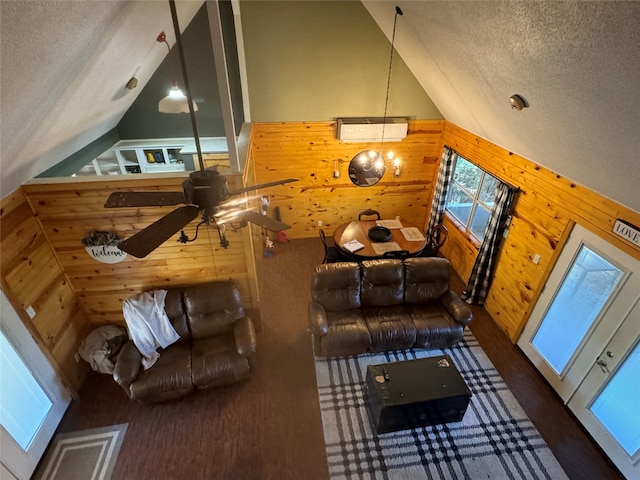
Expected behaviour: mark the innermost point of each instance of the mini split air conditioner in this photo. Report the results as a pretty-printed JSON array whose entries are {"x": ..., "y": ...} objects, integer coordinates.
[{"x": 370, "y": 129}]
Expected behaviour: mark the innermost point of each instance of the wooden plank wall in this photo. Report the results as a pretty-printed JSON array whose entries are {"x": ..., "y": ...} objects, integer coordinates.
[
  {"x": 545, "y": 210},
  {"x": 44, "y": 263},
  {"x": 250, "y": 179},
  {"x": 69, "y": 211},
  {"x": 33, "y": 277},
  {"x": 253, "y": 245},
  {"x": 307, "y": 151}
]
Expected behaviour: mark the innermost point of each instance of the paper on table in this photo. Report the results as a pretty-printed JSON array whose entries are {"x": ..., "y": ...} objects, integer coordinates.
[
  {"x": 353, "y": 245},
  {"x": 381, "y": 248},
  {"x": 412, "y": 234},
  {"x": 389, "y": 223}
]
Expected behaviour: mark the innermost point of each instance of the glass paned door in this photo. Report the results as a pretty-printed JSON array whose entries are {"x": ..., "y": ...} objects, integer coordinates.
[
  {"x": 586, "y": 289},
  {"x": 617, "y": 407},
  {"x": 588, "y": 293},
  {"x": 607, "y": 401},
  {"x": 584, "y": 337},
  {"x": 33, "y": 398},
  {"x": 24, "y": 404}
]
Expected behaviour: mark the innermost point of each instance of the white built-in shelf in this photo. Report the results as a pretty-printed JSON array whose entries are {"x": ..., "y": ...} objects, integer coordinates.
[{"x": 150, "y": 156}]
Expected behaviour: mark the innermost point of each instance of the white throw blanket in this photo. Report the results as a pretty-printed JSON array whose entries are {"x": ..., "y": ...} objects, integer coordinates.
[{"x": 148, "y": 324}]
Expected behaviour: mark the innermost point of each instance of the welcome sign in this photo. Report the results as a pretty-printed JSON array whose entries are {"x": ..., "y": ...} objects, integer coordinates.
[
  {"x": 103, "y": 247},
  {"x": 627, "y": 231},
  {"x": 106, "y": 253}
]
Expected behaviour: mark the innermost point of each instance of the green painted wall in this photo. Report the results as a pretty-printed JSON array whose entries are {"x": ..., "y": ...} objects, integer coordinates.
[
  {"x": 318, "y": 60},
  {"x": 75, "y": 162},
  {"x": 143, "y": 120}
]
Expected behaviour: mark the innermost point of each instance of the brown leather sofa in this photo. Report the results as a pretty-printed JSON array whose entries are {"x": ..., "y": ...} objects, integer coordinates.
[
  {"x": 383, "y": 305},
  {"x": 216, "y": 346}
]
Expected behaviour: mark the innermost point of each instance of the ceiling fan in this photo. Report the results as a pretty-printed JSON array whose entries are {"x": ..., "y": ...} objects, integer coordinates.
[{"x": 204, "y": 191}]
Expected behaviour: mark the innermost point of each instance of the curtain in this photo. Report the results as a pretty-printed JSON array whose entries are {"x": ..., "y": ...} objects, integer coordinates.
[
  {"x": 445, "y": 173},
  {"x": 480, "y": 278}
]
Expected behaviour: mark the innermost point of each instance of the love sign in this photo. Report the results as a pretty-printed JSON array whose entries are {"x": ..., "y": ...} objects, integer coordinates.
[{"x": 627, "y": 231}]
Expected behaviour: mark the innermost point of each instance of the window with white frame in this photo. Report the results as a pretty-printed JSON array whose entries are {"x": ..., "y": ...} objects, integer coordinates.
[{"x": 471, "y": 196}]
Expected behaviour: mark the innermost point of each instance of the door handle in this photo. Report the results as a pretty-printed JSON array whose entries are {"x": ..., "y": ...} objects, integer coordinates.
[{"x": 603, "y": 365}]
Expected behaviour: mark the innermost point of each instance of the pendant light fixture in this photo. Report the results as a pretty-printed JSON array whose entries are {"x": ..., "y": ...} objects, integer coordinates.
[
  {"x": 176, "y": 101},
  {"x": 395, "y": 161},
  {"x": 367, "y": 167}
]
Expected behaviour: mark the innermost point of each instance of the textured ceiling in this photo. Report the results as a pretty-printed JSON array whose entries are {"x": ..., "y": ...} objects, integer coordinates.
[
  {"x": 64, "y": 69},
  {"x": 576, "y": 63},
  {"x": 65, "y": 64}
]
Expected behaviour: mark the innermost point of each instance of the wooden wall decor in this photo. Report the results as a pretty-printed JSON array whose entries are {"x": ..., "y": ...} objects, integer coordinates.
[
  {"x": 33, "y": 280},
  {"x": 68, "y": 211},
  {"x": 544, "y": 211},
  {"x": 310, "y": 151}
]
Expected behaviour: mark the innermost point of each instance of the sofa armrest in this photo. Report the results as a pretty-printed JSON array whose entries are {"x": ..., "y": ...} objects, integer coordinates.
[
  {"x": 127, "y": 366},
  {"x": 457, "y": 308},
  {"x": 245, "y": 335},
  {"x": 318, "y": 319}
]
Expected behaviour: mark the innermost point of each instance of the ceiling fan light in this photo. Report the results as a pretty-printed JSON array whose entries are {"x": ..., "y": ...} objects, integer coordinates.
[{"x": 175, "y": 102}]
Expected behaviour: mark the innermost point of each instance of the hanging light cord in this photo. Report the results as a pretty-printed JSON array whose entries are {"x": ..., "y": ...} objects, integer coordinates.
[
  {"x": 386, "y": 100},
  {"x": 162, "y": 38}
]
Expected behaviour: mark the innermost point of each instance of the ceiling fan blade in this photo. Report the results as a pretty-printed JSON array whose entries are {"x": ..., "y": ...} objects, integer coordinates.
[
  {"x": 144, "y": 199},
  {"x": 264, "y": 221},
  {"x": 263, "y": 185},
  {"x": 146, "y": 241}
]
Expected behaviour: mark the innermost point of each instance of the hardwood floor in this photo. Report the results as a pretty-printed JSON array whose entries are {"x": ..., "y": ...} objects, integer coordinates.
[{"x": 269, "y": 427}]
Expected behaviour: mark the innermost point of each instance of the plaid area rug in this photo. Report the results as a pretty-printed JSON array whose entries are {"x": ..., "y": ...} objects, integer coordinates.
[{"x": 495, "y": 439}]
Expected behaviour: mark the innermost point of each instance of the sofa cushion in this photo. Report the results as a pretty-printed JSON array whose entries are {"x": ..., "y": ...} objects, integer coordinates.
[
  {"x": 174, "y": 308},
  {"x": 168, "y": 378},
  {"x": 382, "y": 283},
  {"x": 216, "y": 362},
  {"x": 336, "y": 286},
  {"x": 347, "y": 334},
  {"x": 390, "y": 328},
  {"x": 427, "y": 315},
  {"x": 427, "y": 279},
  {"x": 212, "y": 308},
  {"x": 435, "y": 328}
]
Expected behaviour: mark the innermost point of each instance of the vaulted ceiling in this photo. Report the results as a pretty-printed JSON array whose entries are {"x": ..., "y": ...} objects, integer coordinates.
[
  {"x": 64, "y": 68},
  {"x": 576, "y": 64}
]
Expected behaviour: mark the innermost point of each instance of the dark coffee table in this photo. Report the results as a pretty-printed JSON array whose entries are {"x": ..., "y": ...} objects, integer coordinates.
[{"x": 415, "y": 393}]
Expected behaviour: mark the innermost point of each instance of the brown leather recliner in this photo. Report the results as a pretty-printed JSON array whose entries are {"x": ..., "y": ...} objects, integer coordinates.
[{"x": 216, "y": 346}]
